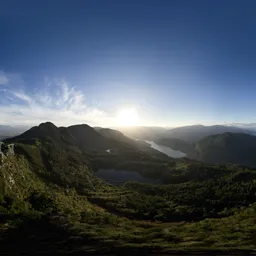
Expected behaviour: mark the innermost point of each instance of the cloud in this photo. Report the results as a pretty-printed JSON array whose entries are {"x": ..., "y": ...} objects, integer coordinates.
[
  {"x": 57, "y": 102},
  {"x": 22, "y": 96},
  {"x": 3, "y": 78}
]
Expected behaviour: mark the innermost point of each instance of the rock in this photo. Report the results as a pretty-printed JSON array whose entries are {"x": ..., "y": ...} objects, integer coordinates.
[
  {"x": 5, "y": 150},
  {"x": 10, "y": 150},
  {"x": 2, "y": 158}
]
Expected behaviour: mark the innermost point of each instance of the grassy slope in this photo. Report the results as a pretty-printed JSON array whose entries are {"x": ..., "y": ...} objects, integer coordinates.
[{"x": 50, "y": 218}]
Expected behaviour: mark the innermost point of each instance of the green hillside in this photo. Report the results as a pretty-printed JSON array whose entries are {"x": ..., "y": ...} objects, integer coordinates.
[
  {"x": 194, "y": 133},
  {"x": 51, "y": 201},
  {"x": 225, "y": 148},
  {"x": 73, "y": 220},
  {"x": 235, "y": 148}
]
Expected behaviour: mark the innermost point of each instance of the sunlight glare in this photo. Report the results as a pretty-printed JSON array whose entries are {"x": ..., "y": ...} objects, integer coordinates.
[{"x": 127, "y": 117}]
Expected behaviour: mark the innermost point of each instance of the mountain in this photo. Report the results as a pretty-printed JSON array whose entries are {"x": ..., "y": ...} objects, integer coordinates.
[
  {"x": 245, "y": 126},
  {"x": 82, "y": 144},
  {"x": 85, "y": 137},
  {"x": 189, "y": 134},
  {"x": 138, "y": 144},
  {"x": 235, "y": 148},
  {"x": 82, "y": 136},
  {"x": 195, "y": 133},
  {"x": 176, "y": 144},
  {"x": 143, "y": 132},
  {"x": 115, "y": 135}
]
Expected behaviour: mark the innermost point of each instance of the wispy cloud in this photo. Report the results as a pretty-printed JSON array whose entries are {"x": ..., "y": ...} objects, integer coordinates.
[
  {"x": 3, "y": 78},
  {"x": 57, "y": 102}
]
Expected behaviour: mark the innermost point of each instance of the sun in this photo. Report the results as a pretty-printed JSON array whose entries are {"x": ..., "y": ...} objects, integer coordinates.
[{"x": 127, "y": 117}]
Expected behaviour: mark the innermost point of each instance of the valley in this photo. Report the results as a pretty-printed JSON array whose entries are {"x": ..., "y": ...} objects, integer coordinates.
[{"x": 209, "y": 144}]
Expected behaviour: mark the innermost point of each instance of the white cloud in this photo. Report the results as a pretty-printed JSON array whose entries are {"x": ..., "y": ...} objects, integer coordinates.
[
  {"x": 58, "y": 102},
  {"x": 3, "y": 78},
  {"x": 22, "y": 96}
]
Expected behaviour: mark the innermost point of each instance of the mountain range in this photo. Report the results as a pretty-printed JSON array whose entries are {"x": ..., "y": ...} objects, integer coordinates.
[
  {"x": 195, "y": 133},
  {"x": 232, "y": 148},
  {"x": 223, "y": 148},
  {"x": 83, "y": 144},
  {"x": 10, "y": 131},
  {"x": 190, "y": 133},
  {"x": 187, "y": 133},
  {"x": 81, "y": 136},
  {"x": 216, "y": 144},
  {"x": 210, "y": 144}
]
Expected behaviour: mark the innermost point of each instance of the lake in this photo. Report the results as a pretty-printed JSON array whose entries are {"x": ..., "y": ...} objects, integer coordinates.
[
  {"x": 119, "y": 177},
  {"x": 166, "y": 150}
]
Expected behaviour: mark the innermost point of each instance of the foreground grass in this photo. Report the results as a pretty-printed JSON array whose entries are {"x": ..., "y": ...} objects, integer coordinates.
[
  {"x": 44, "y": 217},
  {"x": 104, "y": 232}
]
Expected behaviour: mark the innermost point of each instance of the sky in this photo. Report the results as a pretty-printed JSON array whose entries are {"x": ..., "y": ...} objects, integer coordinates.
[{"x": 113, "y": 63}]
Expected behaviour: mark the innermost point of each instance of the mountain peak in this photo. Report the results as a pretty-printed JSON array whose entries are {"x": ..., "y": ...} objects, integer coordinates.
[
  {"x": 80, "y": 126},
  {"x": 47, "y": 124}
]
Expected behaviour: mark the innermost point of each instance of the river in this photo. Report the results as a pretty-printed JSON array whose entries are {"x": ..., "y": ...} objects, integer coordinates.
[{"x": 166, "y": 150}]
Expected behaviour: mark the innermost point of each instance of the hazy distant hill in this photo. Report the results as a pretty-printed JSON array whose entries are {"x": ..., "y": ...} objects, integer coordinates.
[
  {"x": 235, "y": 148},
  {"x": 143, "y": 132},
  {"x": 195, "y": 133},
  {"x": 190, "y": 133},
  {"x": 9, "y": 131},
  {"x": 176, "y": 144},
  {"x": 114, "y": 134}
]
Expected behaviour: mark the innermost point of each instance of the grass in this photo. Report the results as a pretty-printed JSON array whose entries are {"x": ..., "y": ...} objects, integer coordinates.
[{"x": 73, "y": 223}]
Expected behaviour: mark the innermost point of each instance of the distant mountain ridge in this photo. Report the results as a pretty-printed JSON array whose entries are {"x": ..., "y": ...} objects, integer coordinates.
[
  {"x": 195, "y": 133},
  {"x": 77, "y": 141},
  {"x": 190, "y": 133},
  {"x": 114, "y": 134},
  {"x": 83, "y": 136},
  {"x": 143, "y": 132},
  {"x": 221, "y": 148},
  {"x": 234, "y": 148},
  {"x": 9, "y": 130},
  {"x": 83, "y": 144}
]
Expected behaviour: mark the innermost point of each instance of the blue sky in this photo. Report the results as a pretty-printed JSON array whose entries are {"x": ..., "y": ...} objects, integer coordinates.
[{"x": 174, "y": 62}]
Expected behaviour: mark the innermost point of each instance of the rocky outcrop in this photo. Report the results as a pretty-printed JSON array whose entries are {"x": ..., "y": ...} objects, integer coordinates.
[
  {"x": 2, "y": 156},
  {"x": 5, "y": 151},
  {"x": 10, "y": 150}
]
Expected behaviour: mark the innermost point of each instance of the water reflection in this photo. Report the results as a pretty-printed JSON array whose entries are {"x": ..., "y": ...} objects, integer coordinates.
[
  {"x": 166, "y": 150},
  {"x": 119, "y": 177}
]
